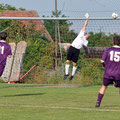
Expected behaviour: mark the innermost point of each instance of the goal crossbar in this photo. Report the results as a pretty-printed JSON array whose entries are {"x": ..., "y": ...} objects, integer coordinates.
[{"x": 54, "y": 18}]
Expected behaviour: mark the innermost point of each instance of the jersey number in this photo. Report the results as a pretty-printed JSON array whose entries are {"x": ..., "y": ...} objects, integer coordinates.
[
  {"x": 114, "y": 56},
  {"x": 2, "y": 50}
]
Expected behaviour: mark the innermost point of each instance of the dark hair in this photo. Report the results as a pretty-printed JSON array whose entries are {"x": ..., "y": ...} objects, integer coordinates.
[
  {"x": 116, "y": 40},
  {"x": 3, "y": 35},
  {"x": 86, "y": 33}
]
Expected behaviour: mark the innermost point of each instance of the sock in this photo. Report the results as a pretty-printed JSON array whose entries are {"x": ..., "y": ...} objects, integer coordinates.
[
  {"x": 74, "y": 70},
  {"x": 67, "y": 68},
  {"x": 100, "y": 96}
]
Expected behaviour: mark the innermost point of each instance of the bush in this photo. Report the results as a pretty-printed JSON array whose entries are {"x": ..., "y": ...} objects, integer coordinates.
[
  {"x": 40, "y": 53},
  {"x": 91, "y": 72}
]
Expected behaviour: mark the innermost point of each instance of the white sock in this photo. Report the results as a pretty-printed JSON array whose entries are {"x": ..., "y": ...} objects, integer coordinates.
[
  {"x": 74, "y": 70},
  {"x": 67, "y": 68}
]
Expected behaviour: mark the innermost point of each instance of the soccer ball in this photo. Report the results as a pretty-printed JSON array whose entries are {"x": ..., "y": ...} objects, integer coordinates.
[{"x": 114, "y": 15}]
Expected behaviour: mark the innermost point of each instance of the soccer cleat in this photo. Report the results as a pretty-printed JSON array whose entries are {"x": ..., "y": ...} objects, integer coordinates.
[
  {"x": 71, "y": 78},
  {"x": 97, "y": 105},
  {"x": 65, "y": 76}
]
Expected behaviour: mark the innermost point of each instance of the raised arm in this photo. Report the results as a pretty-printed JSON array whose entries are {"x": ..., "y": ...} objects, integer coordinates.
[
  {"x": 84, "y": 26},
  {"x": 86, "y": 21}
]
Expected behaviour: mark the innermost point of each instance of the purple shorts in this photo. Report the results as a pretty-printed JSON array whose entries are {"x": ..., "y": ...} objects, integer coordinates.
[
  {"x": 107, "y": 81},
  {"x": 1, "y": 69}
]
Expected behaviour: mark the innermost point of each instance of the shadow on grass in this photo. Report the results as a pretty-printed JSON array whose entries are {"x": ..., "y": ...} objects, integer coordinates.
[{"x": 18, "y": 95}]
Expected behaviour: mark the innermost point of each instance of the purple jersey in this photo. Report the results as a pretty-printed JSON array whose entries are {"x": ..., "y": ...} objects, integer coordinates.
[
  {"x": 111, "y": 57},
  {"x": 5, "y": 51}
]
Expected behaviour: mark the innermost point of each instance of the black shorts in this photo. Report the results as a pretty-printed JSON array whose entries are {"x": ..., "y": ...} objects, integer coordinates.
[{"x": 73, "y": 54}]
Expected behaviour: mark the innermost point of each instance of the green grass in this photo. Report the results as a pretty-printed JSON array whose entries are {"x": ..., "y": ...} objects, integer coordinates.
[{"x": 37, "y": 102}]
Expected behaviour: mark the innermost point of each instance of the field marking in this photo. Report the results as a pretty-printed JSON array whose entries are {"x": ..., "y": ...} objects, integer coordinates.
[{"x": 58, "y": 107}]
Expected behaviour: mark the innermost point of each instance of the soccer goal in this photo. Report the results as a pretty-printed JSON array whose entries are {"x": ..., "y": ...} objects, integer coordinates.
[{"x": 47, "y": 41}]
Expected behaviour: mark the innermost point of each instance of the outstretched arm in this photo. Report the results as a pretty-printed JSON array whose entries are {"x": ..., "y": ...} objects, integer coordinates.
[
  {"x": 86, "y": 21},
  {"x": 84, "y": 26}
]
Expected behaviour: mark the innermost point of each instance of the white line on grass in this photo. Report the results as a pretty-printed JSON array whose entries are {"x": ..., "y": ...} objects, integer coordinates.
[{"x": 58, "y": 107}]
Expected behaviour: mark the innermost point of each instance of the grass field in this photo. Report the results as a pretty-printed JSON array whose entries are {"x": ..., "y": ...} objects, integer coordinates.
[{"x": 37, "y": 102}]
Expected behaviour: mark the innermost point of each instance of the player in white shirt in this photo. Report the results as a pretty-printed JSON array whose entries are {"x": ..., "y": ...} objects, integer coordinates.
[{"x": 74, "y": 50}]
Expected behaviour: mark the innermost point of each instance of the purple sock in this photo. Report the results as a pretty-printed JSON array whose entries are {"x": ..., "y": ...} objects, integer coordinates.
[{"x": 100, "y": 96}]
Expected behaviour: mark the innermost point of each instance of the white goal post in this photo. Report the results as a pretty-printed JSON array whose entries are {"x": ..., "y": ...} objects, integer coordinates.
[{"x": 55, "y": 18}]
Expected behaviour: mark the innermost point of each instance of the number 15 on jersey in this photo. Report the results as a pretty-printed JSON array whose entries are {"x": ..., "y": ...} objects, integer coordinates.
[
  {"x": 114, "y": 56},
  {"x": 2, "y": 50}
]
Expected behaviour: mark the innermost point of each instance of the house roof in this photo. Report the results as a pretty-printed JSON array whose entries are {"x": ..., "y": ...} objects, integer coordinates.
[{"x": 38, "y": 23}]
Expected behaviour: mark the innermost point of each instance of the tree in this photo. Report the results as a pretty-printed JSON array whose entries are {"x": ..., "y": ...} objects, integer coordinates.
[
  {"x": 64, "y": 27},
  {"x": 6, "y": 23},
  {"x": 100, "y": 39},
  {"x": 6, "y": 7}
]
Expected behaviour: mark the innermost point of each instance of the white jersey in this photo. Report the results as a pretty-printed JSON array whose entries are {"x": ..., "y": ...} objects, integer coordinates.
[{"x": 79, "y": 41}]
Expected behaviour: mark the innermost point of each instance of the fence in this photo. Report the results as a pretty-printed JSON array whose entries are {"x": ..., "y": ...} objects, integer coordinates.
[{"x": 46, "y": 50}]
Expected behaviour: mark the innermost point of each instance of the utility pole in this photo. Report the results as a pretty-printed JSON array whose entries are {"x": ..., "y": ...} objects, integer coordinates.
[
  {"x": 56, "y": 8},
  {"x": 56, "y": 46}
]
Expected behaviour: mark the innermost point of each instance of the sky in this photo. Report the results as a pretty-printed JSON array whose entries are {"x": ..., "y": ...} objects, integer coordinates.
[{"x": 71, "y": 8}]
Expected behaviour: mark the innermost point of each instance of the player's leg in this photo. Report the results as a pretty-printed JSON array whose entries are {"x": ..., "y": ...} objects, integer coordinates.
[
  {"x": 73, "y": 70},
  {"x": 101, "y": 93},
  {"x": 117, "y": 85},
  {"x": 75, "y": 59},
  {"x": 67, "y": 65}
]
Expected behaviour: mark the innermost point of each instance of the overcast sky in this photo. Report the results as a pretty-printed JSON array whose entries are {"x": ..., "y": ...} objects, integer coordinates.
[{"x": 71, "y": 8}]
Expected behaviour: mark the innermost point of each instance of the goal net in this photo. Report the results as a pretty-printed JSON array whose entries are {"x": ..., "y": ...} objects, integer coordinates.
[{"x": 47, "y": 42}]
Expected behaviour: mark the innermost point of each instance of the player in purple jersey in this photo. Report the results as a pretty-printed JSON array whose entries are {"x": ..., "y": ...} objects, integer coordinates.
[
  {"x": 5, "y": 51},
  {"x": 111, "y": 64}
]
